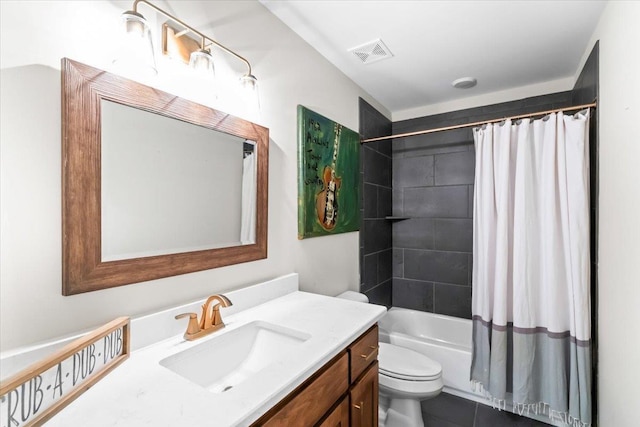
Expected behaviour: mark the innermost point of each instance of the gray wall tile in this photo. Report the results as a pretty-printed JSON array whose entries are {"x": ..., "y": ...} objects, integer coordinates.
[
  {"x": 413, "y": 172},
  {"x": 409, "y": 149},
  {"x": 381, "y": 294},
  {"x": 437, "y": 202},
  {"x": 377, "y": 235},
  {"x": 436, "y": 266},
  {"x": 431, "y": 122},
  {"x": 384, "y": 202},
  {"x": 397, "y": 198},
  {"x": 398, "y": 262},
  {"x": 370, "y": 202},
  {"x": 372, "y": 122},
  {"x": 385, "y": 265},
  {"x": 383, "y": 147},
  {"x": 455, "y": 168},
  {"x": 452, "y": 300},
  {"x": 376, "y": 203},
  {"x": 433, "y": 143},
  {"x": 377, "y": 167},
  {"x": 412, "y": 294},
  {"x": 452, "y": 235},
  {"x": 414, "y": 233},
  {"x": 370, "y": 272}
]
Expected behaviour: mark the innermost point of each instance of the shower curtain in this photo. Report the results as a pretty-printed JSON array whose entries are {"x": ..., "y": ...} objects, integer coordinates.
[
  {"x": 248, "y": 218},
  {"x": 531, "y": 276}
]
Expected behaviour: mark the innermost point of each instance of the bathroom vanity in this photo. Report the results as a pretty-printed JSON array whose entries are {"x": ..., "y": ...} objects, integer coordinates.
[
  {"x": 284, "y": 358},
  {"x": 344, "y": 392}
]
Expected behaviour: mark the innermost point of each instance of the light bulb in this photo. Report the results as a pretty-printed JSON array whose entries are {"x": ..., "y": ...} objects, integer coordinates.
[
  {"x": 250, "y": 91},
  {"x": 201, "y": 62},
  {"x": 135, "y": 55}
]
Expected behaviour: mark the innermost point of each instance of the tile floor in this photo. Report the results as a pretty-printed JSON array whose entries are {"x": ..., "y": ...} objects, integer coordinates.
[{"x": 448, "y": 410}]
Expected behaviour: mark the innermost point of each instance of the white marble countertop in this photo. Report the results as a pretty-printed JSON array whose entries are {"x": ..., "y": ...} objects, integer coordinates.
[{"x": 142, "y": 392}]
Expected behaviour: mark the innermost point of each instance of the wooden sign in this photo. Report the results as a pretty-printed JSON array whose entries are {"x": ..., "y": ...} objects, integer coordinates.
[{"x": 37, "y": 393}]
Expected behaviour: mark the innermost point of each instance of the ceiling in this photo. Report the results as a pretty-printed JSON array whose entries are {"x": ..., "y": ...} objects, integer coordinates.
[{"x": 504, "y": 44}]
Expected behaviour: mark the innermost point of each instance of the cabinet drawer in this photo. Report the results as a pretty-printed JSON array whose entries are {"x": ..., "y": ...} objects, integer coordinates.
[
  {"x": 308, "y": 403},
  {"x": 363, "y": 352}
]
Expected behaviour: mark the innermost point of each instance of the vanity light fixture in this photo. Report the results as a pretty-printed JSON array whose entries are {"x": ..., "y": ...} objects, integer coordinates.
[
  {"x": 200, "y": 58},
  {"x": 136, "y": 46}
]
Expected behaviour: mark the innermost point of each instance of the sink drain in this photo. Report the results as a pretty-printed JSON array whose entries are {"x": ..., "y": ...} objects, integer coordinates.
[{"x": 229, "y": 387}]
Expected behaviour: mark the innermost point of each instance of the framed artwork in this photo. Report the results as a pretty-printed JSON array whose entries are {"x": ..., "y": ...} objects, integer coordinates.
[{"x": 328, "y": 176}]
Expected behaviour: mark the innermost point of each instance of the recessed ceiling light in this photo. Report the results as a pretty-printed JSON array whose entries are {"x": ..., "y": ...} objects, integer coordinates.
[{"x": 464, "y": 83}]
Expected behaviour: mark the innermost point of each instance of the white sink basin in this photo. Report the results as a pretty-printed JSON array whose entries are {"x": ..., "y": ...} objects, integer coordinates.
[{"x": 220, "y": 363}]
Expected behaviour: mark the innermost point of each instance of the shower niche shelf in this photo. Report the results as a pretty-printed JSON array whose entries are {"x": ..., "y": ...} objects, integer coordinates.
[{"x": 396, "y": 218}]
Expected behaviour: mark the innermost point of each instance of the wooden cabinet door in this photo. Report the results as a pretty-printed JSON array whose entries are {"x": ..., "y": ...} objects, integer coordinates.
[
  {"x": 307, "y": 404},
  {"x": 364, "y": 399},
  {"x": 339, "y": 417}
]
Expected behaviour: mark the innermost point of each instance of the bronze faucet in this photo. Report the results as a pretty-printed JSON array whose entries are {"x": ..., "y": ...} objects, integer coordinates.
[{"x": 210, "y": 319}]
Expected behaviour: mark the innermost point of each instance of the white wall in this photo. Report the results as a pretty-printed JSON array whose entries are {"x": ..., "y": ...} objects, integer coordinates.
[
  {"x": 34, "y": 36},
  {"x": 512, "y": 94},
  {"x": 619, "y": 234}
]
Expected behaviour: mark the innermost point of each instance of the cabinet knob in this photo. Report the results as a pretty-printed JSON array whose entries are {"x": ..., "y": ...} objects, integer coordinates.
[{"x": 359, "y": 407}]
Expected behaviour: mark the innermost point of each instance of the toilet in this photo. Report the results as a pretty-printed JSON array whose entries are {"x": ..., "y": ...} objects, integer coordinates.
[{"x": 406, "y": 378}]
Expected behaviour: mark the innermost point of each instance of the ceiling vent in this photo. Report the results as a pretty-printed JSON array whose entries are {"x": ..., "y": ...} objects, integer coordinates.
[{"x": 371, "y": 52}]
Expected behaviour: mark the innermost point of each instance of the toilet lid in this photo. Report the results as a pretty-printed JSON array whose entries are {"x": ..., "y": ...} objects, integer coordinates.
[{"x": 406, "y": 364}]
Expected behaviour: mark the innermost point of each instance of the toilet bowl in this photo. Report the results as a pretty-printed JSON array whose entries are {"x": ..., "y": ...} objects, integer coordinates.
[{"x": 406, "y": 378}]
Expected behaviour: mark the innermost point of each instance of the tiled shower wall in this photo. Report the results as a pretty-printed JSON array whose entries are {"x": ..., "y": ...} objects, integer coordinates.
[
  {"x": 585, "y": 91},
  {"x": 432, "y": 230},
  {"x": 375, "y": 230}
]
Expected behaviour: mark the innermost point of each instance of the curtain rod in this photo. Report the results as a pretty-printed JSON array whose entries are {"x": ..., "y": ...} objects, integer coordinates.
[{"x": 466, "y": 125}]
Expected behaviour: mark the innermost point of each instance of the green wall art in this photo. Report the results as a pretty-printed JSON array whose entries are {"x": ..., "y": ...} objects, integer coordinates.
[{"x": 328, "y": 176}]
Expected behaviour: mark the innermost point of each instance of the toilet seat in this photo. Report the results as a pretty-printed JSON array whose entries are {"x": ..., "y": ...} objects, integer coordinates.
[{"x": 405, "y": 364}]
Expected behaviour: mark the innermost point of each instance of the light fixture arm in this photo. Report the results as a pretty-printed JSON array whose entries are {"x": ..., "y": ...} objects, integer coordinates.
[{"x": 203, "y": 38}]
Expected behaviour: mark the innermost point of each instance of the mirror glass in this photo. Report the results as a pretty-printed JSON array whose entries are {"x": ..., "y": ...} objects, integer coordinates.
[{"x": 168, "y": 186}]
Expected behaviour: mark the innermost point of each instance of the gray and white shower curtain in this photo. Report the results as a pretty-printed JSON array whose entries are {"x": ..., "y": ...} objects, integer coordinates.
[
  {"x": 531, "y": 276},
  {"x": 249, "y": 200}
]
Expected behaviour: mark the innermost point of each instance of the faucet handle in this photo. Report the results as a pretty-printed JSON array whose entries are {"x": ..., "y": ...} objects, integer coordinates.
[{"x": 193, "y": 327}]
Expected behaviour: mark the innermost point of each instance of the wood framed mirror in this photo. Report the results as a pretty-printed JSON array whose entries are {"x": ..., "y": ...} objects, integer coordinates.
[{"x": 154, "y": 185}]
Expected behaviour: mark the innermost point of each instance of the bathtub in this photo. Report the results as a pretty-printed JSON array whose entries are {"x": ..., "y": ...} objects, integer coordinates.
[{"x": 444, "y": 339}]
